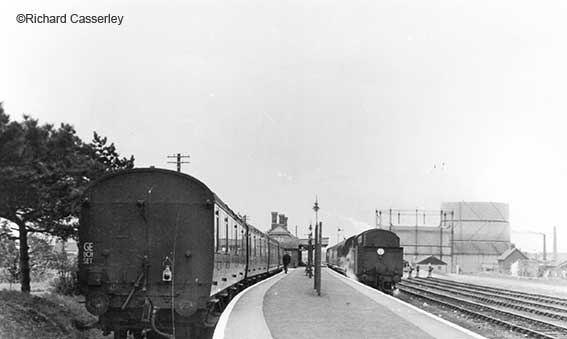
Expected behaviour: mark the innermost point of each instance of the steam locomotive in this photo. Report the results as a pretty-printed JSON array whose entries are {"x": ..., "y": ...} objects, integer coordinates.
[
  {"x": 373, "y": 257},
  {"x": 160, "y": 253}
]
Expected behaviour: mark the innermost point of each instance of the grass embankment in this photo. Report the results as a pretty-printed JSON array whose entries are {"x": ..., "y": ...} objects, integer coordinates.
[{"x": 49, "y": 316}]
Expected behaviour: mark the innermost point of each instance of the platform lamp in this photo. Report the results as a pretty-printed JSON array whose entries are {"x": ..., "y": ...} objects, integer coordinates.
[
  {"x": 316, "y": 209},
  {"x": 308, "y": 269},
  {"x": 318, "y": 237}
]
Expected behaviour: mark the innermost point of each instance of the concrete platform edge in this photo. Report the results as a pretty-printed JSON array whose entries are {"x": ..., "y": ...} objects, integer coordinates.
[{"x": 223, "y": 320}]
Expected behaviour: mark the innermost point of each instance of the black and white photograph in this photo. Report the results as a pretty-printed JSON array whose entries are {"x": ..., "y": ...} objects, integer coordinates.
[{"x": 255, "y": 169}]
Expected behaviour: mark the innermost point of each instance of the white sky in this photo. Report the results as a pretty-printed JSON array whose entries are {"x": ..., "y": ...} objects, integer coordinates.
[{"x": 277, "y": 101}]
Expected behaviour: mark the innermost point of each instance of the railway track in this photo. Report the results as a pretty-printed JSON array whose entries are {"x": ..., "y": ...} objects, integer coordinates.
[
  {"x": 561, "y": 302},
  {"x": 504, "y": 311},
  {"x": 542, "y": 308}
]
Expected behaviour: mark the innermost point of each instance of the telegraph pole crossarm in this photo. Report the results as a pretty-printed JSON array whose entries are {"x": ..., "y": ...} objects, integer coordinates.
[{"x": 178, "y": 161}]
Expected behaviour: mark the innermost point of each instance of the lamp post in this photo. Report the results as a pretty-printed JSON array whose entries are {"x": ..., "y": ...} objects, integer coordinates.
[
  {"x": 316, "y": 209},
  {"x": 310, "y": 253},
  {"x": 318, "y": 238}
]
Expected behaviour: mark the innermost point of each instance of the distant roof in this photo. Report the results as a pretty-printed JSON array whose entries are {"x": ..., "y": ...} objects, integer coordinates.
[
  {"x": 509, "y": 252},
  {"x": 431, "y": 260},
  {"x": 280, "y": 230}
]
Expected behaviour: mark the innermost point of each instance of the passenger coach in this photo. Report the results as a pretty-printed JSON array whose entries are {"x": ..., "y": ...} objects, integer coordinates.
[{"x": 158, "y": 250}]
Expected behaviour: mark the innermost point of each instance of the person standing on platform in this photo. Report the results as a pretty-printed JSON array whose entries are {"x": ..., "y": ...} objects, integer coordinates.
[
  {"x": 410, "y": 271},
  {"x": 286, "y": 259},
  {"x": 417, "y": 271},
  {"x": 429, "y": 270}
]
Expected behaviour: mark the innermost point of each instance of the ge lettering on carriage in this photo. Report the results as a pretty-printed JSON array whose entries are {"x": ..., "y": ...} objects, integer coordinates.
[{"x": 88, "y": 253}]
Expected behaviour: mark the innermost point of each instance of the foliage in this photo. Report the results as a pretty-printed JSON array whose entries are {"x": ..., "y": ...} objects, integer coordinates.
[
  {"x": 9, "y": 259},
  {"x": 65, "y": 282},
  {"x": 43, "y": 259},
  {"x": 43, "y": 172}
]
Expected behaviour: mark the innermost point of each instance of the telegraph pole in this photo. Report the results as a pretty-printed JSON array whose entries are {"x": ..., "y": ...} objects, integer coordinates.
[{"x": 178, "y": 161}]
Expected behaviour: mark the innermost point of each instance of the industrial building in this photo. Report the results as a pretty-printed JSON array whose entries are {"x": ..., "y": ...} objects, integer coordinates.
[{"x": 467, "y": 236}]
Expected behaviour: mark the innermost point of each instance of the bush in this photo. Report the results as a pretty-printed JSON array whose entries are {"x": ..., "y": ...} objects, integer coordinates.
[
  {"x": 65, "y": 281},
  {"x": 65, "y": 284}
]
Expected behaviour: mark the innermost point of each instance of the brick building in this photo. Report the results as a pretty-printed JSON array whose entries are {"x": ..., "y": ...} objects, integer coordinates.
[{"x": 286, "y": 239}]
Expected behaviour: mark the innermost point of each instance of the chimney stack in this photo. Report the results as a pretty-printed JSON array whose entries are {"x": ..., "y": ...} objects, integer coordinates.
[{"x": 554, "y": 244}]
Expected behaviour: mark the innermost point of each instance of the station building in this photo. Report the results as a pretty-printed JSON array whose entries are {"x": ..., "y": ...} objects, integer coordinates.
[
  {"x": 296, "y": 247},
  {"x": 287, "y": 240}
]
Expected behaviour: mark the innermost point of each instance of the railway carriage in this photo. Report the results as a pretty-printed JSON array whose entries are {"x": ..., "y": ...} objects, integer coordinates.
[{"x": 157, "y": 247}]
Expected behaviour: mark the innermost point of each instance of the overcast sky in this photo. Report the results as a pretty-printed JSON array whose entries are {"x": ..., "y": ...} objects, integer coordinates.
[{"x": 357, "y": 102}]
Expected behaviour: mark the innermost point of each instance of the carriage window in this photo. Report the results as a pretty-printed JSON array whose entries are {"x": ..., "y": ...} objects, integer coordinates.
[
  {"x": 243, "y": 237},
  {"x": 217, "y": 231},
  {"x": 226, "y": 235},
  {"x": 235, "y": 240}
]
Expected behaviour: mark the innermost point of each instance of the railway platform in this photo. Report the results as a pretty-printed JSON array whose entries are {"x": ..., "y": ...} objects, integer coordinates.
[{"x": 286, "y": 306}]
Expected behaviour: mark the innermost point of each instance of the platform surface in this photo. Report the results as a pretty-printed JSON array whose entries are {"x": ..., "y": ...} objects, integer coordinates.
[{"x": 286, "y": 306}]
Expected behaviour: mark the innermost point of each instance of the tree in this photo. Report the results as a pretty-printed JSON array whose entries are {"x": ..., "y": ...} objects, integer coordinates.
[
  {"x": 9, "y": 257},
  {"x": 43, "y": 172},
  {"x": 43, "y": 257}
]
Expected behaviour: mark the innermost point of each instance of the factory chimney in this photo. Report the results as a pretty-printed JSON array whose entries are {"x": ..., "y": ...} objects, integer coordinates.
[{"x": 554, "y": 244}]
